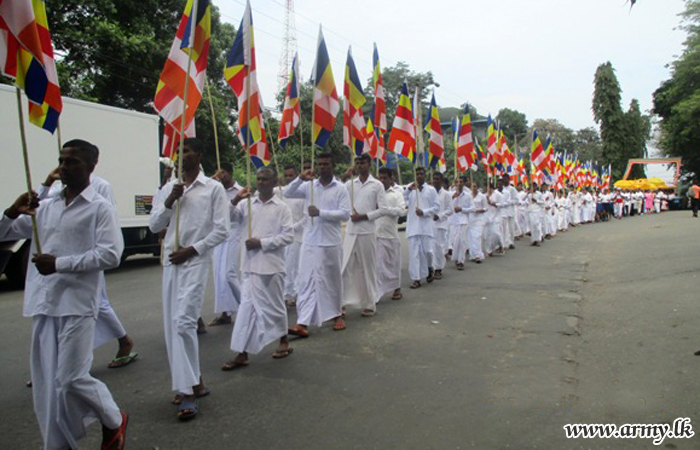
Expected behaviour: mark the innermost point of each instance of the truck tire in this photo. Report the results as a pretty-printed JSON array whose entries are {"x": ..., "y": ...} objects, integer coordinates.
[{"x": 16, "y": 270}]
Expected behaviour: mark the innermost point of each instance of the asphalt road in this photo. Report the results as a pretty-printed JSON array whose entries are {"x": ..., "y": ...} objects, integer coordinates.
[{"x": 597, "y": 326}]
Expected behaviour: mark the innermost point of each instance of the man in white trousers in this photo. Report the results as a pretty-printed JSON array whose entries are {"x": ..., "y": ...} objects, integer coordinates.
[
  {"x": 477, "y": 222},
  {"x": 320, "y": 281},
  {"x": 388, "y": 241},
  {"x": 422, "y": 205},
  {"x": 441, "y": 218},
  {"x": 510, "y": 228},
  {"x": 262, "y": 316},
  {"x": 463, "y": 206},
  {"x": 202, "y": 224},
  {"x": 368, "y": 202},
  {"x": 80, "y": 238}
]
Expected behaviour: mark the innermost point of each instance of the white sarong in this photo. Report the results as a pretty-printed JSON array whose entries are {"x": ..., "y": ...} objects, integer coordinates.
[{"x": 320, "y": 284}]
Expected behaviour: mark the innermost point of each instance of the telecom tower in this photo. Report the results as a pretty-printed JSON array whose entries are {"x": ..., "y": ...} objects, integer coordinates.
[{"x": 289, "y": 47}]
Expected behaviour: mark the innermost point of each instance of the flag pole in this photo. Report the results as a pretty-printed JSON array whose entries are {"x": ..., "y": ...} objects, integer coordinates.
[
  {"x": 213, "y": 121},
  {"x": 272, "y": 147},
  {"x": 182, "y": 124},
  {"x": 398, "y": 167},
  {"x": 247, "y": 154},
  {"x": 27, "y": 173},
  {"x": 58, "y": 135},
  {"x": 313, "y": 153}
]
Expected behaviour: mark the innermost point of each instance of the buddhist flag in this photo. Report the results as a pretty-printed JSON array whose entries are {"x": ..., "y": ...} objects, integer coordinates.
[
  {"x": 26, "y": 54},
  {"x": 379, "y": 102},
  {"x": 354, "y": 127},
  {"x": 491, "y": 143},
  {"x": 325, "y": 105},
  {"x": 240, "y": 73},
  {"x": 465, "y": 143},
  {"x": 437, "y": 147},
  {"x": 291, "y": 112},
  {"x": 537, "y": 156},
  {"x": 171, "y": 139},
  {"x": 192, "y": 38},
  {"x": 402, "y": 139}
]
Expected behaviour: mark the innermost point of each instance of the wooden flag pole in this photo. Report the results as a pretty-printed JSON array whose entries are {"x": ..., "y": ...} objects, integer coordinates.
[
  {"x": 213, "y": 121},
  {"x": 398, "y": 168},
  {"x": 247, "y": 155},
  {"x": 182, "y": 125},
  {"x": 58, "y": 135},
  {"x": 27, "y": 173},
  {"x": 301, "y": 141},
  {"x": 313, "y": 153}
]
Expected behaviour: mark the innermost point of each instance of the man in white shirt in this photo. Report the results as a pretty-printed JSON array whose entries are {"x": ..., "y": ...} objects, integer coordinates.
[
  {"x": 493, "y": 233},
  {"x": 320, "y": 281},
  {"x": 262, "y": 317},
  {"x": 441, "y": 218},
  {"x": 509, "y": 224},
  {"x": 523, "y": 216},
  {"x": 368, "y": 203},
  {"x": 477, "y": 221},
  {"x": 535, "y": 209},
  {"x": 108, "y": 326},
  {"x": 463, "y": 206},
  {"x": 203, "y": 224},
  {"x": 80, "y": 238},
  {"x": 227, "y": 288},
  {"x": 293, "y": 250},
  {"x": 420, "y": 231},
  {"x": 388, "y": 242}
]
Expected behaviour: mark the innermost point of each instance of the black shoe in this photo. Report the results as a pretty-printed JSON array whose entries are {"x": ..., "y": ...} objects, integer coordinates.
[{"x": 431, "y": 275}]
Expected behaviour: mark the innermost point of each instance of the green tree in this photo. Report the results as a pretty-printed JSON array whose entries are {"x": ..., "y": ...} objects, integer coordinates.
[
  {"x": 677, "y": 100},
  {"x": 513, "y": 123}
]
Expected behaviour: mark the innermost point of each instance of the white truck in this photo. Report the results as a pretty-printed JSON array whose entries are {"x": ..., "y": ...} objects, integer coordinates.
[{"x": 129, "y": 160}]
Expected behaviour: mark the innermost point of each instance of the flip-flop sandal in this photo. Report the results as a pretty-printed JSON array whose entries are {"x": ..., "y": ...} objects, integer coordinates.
[
  {"x": 415, "y": 285},
  {"x": 231, "y": 365},
  {"x": 198, "y": 394},
  {"x": 339, "y": 326},
  {"x": 397, "y": 297},
  {"x": 187, "y": 410},
  {"x": 296, "y": 330},
  {"x": 367, "y": 313},
  {"x": 120, "y": 434},
  {"x": 122, "y": 361},
  {"x": 283, "y": 354}
]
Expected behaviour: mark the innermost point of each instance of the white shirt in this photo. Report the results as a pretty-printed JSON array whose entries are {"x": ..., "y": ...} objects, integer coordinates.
[
  {"x": 101, "y": 186},
  {"x": 85, "y": 238},
  {"x": 464, "y": 201},
  {"x": 272, "y": 224},
  {"x": 512, "y": 200},
  {"x": 479, "y": 204},
  {"x": 387, "y": 226},
  {"x": 333, "y": 204},
  {"x": 204, "y": 218},
  {"x": 296, "y": 207},
  {"x": 535, "y": 202},
  {"x": 428, "y": 203},
  {"x": 445, "y": 209},
  {"x": 370, "y": 199},
  {"x": 492, "y": 212}
]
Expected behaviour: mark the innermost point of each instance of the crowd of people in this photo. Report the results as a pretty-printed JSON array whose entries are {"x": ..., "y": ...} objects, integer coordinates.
[{"x": 326, "y": 247}]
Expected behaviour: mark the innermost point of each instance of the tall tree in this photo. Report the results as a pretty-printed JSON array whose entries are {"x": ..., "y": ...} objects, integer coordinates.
[{"x": 513, "y": 123}]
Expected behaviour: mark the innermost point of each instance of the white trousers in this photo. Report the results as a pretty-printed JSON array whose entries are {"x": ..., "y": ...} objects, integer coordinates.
[
  {"x": 475, "y": 235},
  {"x": 360, "y": 271},
  {"x": 183, "y": 294},
  {"x": 66, "y": 397},
  {"x": 108, "y": 326},
  {"x": 493, "y": 234},
  {"x": 227, "y": 288},
  {"x": 320, "y": 284},
  {"x": 523, "y": 221},
  {"x": 552, "y": 221},
  {"x": 508, "y": 230},
  {"x": 291, "y": 262},
  {"x": 618, "y": 209},
  {"x": 420, "y": 256},
  {"x": 459, "y": 242},
  {"x": 388, "y": 265},
  {"x": 441, "y": 243},
  {"x": 535, "y": 226},
  {"x": 262, "y": 315}
]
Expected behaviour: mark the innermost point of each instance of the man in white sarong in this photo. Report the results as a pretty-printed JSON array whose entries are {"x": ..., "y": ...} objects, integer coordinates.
[
  {"x": 441, "y": 218},
  {"x": 80, "y": 238},
  {"x": 493, "y": 232},
  {"x": 388, "y": 241},
  {"x": 420, "y": 231},
  {"x": 227, "y": 288},
  {"x": 320, "y": 281},
  {"x": 523, "y": 216},
  {"x": 293, "y": 250},
  {"x": 204, "y": 223},
  {"x": 368, "y": 202},
  {"x": 262, "y": 316},
  {"x": 575, "y": 196},
  {"x": 463, "y": 207},
  {"x": 509, "y": 226},
  {"x": 108, "y": 326},
  {"x": 535, "y": 210},
  {"x": 477, "y": 222}
]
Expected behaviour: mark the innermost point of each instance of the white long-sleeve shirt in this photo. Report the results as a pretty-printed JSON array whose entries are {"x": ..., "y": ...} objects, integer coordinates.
[
  {"x": 535, "y": 202},
  {"x": 463, "y": 200},
  {"x": 480, "y": 204},
  {"x": 204, "y": 218},
  {"x": 512, "y": 200},
  {"x": 333, "y": 204},
  {"x": 296, "y": 206},
  {"x": 101, "y": 186},
  {"x": 369, "y": 198},
  {"x": 84, "y": 237},
  {"x": 272, "y": 224},
  {"x": 445, "y": 209},
  {"x": 428, "y": 203},
  {"x": 387, "y": 226}
]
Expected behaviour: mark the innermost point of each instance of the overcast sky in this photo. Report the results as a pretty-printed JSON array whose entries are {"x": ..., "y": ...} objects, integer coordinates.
[{"x": 535, "y": 56}]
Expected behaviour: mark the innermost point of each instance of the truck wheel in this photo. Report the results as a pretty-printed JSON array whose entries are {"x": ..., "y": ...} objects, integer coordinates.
[{"x": 16, "y": 270}]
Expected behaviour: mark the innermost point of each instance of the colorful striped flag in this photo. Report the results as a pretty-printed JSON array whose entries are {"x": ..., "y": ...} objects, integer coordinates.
[
  {"x": 491, "y": 143},
  {"x": 240, "y": 73},
  {"x": 26, "y": 54},
  {"x": 291, "y": 112},
  {"x": 465, "y": 143},
  {"x": 437, "y": 146},
  {"x": 354, "y": 127},
  {"x": 379, "y": 102},
  {"x": 537, "y": 156},
  {"x": 325, "y": 104},
  {"x": 402, "y": 139},
  {"x": 171, "y": 139},
  {"x": 170, "y": 92}
]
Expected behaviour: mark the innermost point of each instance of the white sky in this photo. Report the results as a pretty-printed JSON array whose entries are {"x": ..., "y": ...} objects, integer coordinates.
[{"x": 535, "y": 56}]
